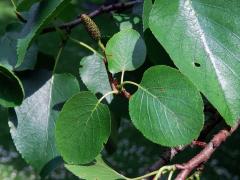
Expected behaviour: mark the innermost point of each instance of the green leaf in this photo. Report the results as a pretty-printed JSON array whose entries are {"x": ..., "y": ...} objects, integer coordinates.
[
  {"x": 126, "y": 51},
  {"x": 99, "y": 170},
  {"x": 11, "y": 90},
  {"x": 82, "y": 128},
  {"x": 147, "y": 7},
  {"x": 8, "y": 52},
  {"x": 33, "y": 134},
  {"x": 69, "y": 54},
  {"x": 44, "y": 47},
  {"x": 94, "y": 75},
  {"x": 7, "y": 15},
  {"x": 202, "y": 38},
  {"x": 23, "y": 5},
  {"x": 167, "y": 108},
  {"x": 40, "y": 15}
]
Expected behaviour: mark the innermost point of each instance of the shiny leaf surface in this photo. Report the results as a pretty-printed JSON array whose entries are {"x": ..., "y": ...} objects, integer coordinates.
[{"x": 203, "y": 39}]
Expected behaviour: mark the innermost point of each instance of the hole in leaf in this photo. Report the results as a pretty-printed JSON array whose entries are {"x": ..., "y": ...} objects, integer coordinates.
[{"x": 197, "y": 64}]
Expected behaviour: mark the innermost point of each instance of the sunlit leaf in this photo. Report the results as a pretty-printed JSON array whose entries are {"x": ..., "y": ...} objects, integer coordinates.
[
  {"x": 126, "y": 51},
  {"x": 167, "y": 108},
  {"x": 82, "y": 128},
  {"x": 203, "y": 39}
]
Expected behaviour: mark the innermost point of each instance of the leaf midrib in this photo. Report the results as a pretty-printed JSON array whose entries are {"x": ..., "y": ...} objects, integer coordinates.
[
  {"x": 208, "y": 51},
  {"x": 155, "y": 97}
]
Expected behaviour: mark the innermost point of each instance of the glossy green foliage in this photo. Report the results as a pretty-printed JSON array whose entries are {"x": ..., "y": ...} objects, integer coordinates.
[
  {"x": 11, "y": 90},
  {"x": 126, "y": 51},
  {"x": 34, "y": 127},
  {"x": 8, "y": 50},
  {"x": 82, "y": 128},
  {"x": 167, "y": 108},
  {"x": 202, "y": 38},
  {"x": 40, "y": 15},
  {"x": 94, "y": 75},
  {"x": 99, "y": 170}
]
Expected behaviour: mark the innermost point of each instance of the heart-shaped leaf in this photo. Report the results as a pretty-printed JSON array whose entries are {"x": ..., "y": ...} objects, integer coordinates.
[
  {"x": 40, "y": 14},
  {"x": 99, "y": 170},
  {"x": 11, "y": 90},
  {"x": 94, "y": 75},
  {"x": 203, "y": 39},
  {"x": 33, "y": 132},
  {"x": 82, "y": 128},
  {"x": 126, "y": 51},
  {"x": 167, "y": 108}
]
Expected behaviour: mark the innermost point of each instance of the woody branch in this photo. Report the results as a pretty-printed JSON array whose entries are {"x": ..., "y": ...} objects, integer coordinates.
[{"x": 206, "y": 153}]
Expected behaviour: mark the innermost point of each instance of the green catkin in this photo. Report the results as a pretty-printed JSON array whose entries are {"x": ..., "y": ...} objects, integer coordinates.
[{"x": 91, "y": 27}]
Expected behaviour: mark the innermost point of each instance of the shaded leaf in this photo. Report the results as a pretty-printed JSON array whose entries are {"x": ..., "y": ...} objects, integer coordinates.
[
  {"x": 40, "y": 15},
  {"x": 23, "y": 5},
  {"x": 8, "y": 52},
  {"x": 94, "y": 75},
  {"x": 203, "y": 39},
  {"x": 167, "y": 108},
  {"x": 126, "y": 51},
  {"x": 99, "y": 170},
  {"x": 33, "y": 133},
  {"x": 11, "y": 90},
  {"x": 7, "y": 15},
  {"x": 82, "y": 128},
  {"x": 69, "y": 53}
]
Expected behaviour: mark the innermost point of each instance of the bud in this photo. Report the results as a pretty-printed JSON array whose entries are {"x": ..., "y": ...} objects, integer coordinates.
[{"x": 91, "y": 27}]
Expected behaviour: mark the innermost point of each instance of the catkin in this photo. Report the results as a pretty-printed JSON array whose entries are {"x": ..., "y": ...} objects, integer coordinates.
[{"x": 91, "y": 27}]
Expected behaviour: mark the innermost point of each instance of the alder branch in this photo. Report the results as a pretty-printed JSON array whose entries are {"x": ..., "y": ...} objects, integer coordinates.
[
  {"x": 169, "y": 154},
  {"x": 126, "y": 94},
  {"x": 205, "y": 154},
  {"x": 165, "y": 158},
  {"x": 101, "y": 10}
]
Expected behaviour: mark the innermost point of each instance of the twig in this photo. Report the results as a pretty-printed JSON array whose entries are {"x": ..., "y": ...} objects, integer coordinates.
[
  {"x": 199, "y": 144},
  {"x": 103, "y": 9},
  {"x": 205, "y": 154},
  {"x": 169, "y": 154},
  {"x": 18, "y": 14},
  {"x": 125, "y": 93},
  {"x": 166, "y": 157},
  {"x": 114, "y": 84},
  {"x": 20, "y": 17}
]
